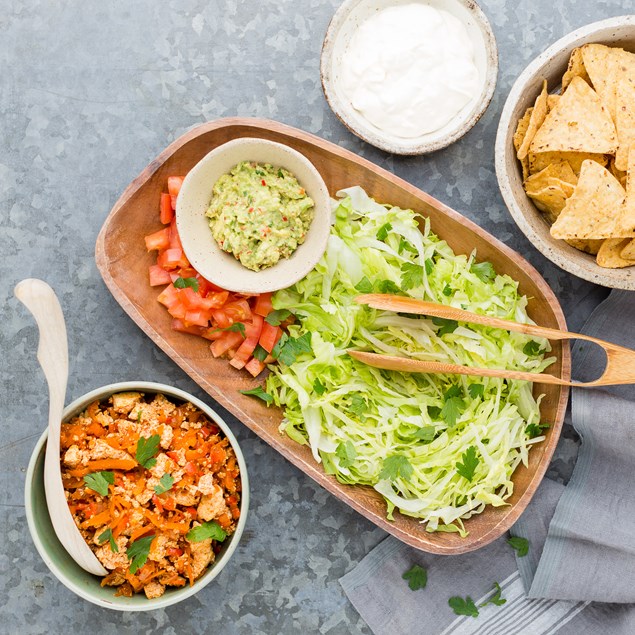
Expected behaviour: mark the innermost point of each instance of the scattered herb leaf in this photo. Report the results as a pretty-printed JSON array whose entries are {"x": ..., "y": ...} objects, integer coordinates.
[
  {"x": 319, "y": 387},
  {"x": 165, "y": 484},
  {"x": 463, "y": 606},
  {"x": 146, "y": 449},
  {"x": 470, "y": 461},
  {"x": 388, "y": 286},
  {"x": 346, "y": 453},
  {"x": 99, "y": 481},
  {"x": 484, "y": 271},
  {"x": 429, "y": 266},
  {"x": 404, "y": 245},
  {"x": 535, "y": 429},
  {"x": 447, "y": 290},
  {"x": 383, "y": 231},
  {"x": 207, "y": 530},
  {"x": 181, "y": 283},
  {"x": 425, "y": 433},
  {"x": 496, "y": 598},
  {"x": 447, "y": 326},
  {"x": 521, "y": 545},
  {"x": 293, "y": 347},
  {"x": 411, "y": 275},
  {"x": 532, "y": 348},
  {"x": 138, "y": 552},
  {"x": 107, "y": 535},
  {"x": 236, "y": 327},
  {"x": 452, "y": 406},
  {"x": 434, "y": 412},
  {"x": 277, "y": 317},
  {"x": 395, "y": 466},
  {"x": 364, "y": 285},
  {"x": 417, "y": 577},
  {"x": 476, "y": 390},
  {"x": 258, "y": 392},
  {"x": 260, "y": 353},
  {"x": 278, "y": 347}
]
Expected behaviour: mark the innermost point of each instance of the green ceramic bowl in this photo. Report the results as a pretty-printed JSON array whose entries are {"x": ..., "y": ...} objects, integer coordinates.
[{"x": 67, "y": 571}]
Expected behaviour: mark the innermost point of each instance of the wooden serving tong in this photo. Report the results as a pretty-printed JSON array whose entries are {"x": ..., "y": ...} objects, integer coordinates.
[{"x": 620, "y": 361}]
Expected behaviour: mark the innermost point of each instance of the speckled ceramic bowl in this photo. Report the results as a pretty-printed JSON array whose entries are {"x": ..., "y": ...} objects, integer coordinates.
[
  {"x": 551, "y": 65},
  {"x": 347, "y": 19},
  {"x": 65, "y": 569},
  {"x": 199, "y": 245}
]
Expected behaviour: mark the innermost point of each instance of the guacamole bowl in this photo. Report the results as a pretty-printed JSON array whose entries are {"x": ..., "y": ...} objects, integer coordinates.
[
  {"x": 62, "y": 565},
  {"x": 277, "y": 220}
]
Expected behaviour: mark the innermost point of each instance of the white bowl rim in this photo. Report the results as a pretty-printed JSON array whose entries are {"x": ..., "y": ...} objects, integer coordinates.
[
  {"x": 301, "y": 261},
  {"x": 463, "y": 125},
  {"x": 613, "y": 278},
  {"x": 216, "y": 567}
]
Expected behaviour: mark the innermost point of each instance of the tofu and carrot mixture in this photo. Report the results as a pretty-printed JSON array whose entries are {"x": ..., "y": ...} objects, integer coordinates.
[{"x": 154, "y": 487}]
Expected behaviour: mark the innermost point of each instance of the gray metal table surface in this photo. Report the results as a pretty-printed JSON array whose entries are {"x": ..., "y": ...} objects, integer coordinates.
[{"x": 90, "y": 93}]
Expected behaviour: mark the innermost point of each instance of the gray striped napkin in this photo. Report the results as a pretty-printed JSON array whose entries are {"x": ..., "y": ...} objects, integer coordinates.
[{"x": 579, "y": 574}]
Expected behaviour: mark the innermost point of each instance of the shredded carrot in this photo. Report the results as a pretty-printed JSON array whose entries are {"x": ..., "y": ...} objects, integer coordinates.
[
  {"x": 111, "y": 464},
  {"x": 97, "y": 521}
]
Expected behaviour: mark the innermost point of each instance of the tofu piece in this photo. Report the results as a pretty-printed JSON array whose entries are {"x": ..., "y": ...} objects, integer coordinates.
[
  {"x": 124, "y": 402},
  {"x": 153, "y": 589},
  {"x": 212, "y": 505},
  {"x": 186, "y": 497},
  {"x": 73, "y": 456},
  {"x": 163, "y": 465},
  {"x": 159, "y": 545},
  {"x": 206, "y": 484},
  {"x": 202, "y": 555},
  {"x": 101, "y": 450},
  {"x": 110, "y": 559}
]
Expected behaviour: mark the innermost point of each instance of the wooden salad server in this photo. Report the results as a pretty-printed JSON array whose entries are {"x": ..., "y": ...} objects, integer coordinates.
[
  {"x": 620, "y": 361},
  {"x": 52, "y": 353}
]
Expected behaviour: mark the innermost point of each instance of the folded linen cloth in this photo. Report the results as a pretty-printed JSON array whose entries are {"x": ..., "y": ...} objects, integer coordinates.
[{"x": 581, "y": 560}]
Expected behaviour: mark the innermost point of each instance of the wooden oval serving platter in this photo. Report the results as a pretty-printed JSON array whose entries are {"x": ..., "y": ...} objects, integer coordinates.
[{"x": 123, "y": 262}]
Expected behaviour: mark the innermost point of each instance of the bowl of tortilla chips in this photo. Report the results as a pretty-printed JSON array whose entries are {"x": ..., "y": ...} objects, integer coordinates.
[{"x": 565, "y": 152}]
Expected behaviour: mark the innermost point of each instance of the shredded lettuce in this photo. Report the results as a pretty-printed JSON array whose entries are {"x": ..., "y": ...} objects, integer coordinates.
[{"x": 404, "y": 434}]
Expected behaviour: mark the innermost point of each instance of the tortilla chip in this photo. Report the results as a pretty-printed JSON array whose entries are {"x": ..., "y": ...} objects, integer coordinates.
[
  {"x": 578, "y": 123},
  {"x": 596, "y": 209},
  {"x": 557, "y": 170},
  {"x": 536, "y": 119},
  {"x": 540, "y": 161},
  {"x": 609, "y": 254},
  {"x": 629, "y": 203},
  {"x": 551, "y": 200},
  {"x": 575, "y": 69},
  {"x": 521, "y": 128},
  {"x": 625, "y": 119},
  {"x": 552, "y": 101},
  {"x": 620, "y": 175},
  {"x": 628, "y": 252},
  {"x": 588, "y": 246}
]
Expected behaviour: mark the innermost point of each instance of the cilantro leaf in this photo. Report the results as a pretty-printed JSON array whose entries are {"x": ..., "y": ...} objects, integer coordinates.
[
  {"x": 278, "y": 347},
  {"x": 146, "y": 449},
  {"x": 358, "y": 405},
  {"x": 276, "y": 318},
  {"x": 207, "y": 530},
  {"x": 293, "y": 347},
  {"x": 532, "y": 348},
  {"x": 395, "y": 466},
  {"x": 452, "y": 406},
  {"x": 521, "y": 545},
  {"x": 107, "y": 535},
  {"x": 447, "y": 326},
  {"x": 236, "y": 327},
  {"x": 258, "y": 392},
  {"x": 429, "y": 265},
  {"x": 453, "y": 391},
  {"x": 260, "y": 353},
  {"x": 463, "y": 606},
  {"x": 484, "y": 271},
  {"x": 496, "y": 598},
  {"x": 470, "y": 461},
  {"x": 388, "y": 286},
  {"x": 404, "y": 245},
  {"x": 319, "y": 387},
  {"x": 181, "y": 283},
  {"x": 364, "y": 285},
  {"x": 99, "y": 481},
  {"x": 535, "y": 429},
  {"x": 346, "y": 453},
  {"x": 476, "y": 390},
  {"x": 447, "y": 290},
  {"x": 417, "y": 577},
  {"x": 434, "y": 412},
  {"x": 138, "y": 552},
  {"x": 411, "y": 276},
  {"x": 165, "y": 484},
  {"x": 425, "y": 433},
  {"x": 383, "y": 231}
]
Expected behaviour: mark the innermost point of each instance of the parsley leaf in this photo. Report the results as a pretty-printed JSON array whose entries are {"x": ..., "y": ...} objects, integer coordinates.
[
  {"x": 138, "y": 552},
  {"x": 207, "y": 530},
  {"x": 260, "y": 353},
  {"x": 346, "y": 453},
  {"x": 521, "y": 545},
  {"x": 319, "y": 387},
  {"x": 258, "y": 392},
  {"x": 404, "y": 245},
  {"x": 236, "y": 327},
  {"x": 475, "y": 390},
  {"x": 484, "y": 271},
  {"x": 447, "y": 326},
  {"x": 382, "y": 232},
  {"x": 275, "y": 318},
  {"x": 395, "y": 466},
  {"x": 99, "y": 481},
  {"x": 532, "y": 348},
  {"x": 165, "y": 484},
  {"x": 388, "y": 286},
  {"x": 417, "y": 577},
  {"x": 364, "y": 285},
  {"x": 411, "y": 276},
  {"x": 107, "y": 535},
  {"x": 429, "y": 265},
  {"x": 535, "y": 429},
  {"x": 496, "y": 598},
  {"x": 278, "y": 347},
  {"x": 181, "y": 283},
  {"x": 293, "y": 347},
  {"x": 452, "y": 405},
  {"x": 146, "y": 449},
  {"x": 447, "y": 290},
  {"x": 425, "y": 433},
  {"x": 463, "y": 606},
  {"x": 358, "y": 406},
  {"x": 470, "y": 461},
  {"x": 434, "y": 412}
]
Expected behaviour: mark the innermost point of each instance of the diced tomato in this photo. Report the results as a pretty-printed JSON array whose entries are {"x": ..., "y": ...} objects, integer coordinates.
[
  {"x": 198, "y": 318},
  {"x": 169, "y": 297},
  {"x": 246, "y": 349},
  {"x": 179, "y": 325},
  {"x": 263, "y": 304},
  {"x": 269, "y": 336},
  {"x": 190, "y": 468},
  {"x": 159, "y": 240},
  {"x": 238, "y": 310},
  {"x": 175, "y": 239},
  {"x": 159, "y": 276},
  {"x": 254, "y": 367},
  {"x": 205, "y": 286},
  {"x": 229, "y": 340},
  {"x": 172, "y": 258},
  {"x": 174, "y": 552},
  {"x": 166, "y": 210},
  {"x": 173, "y": 455},
  {"x": 221, "y": 318},
  {"x": 174, "y": 184},
  {"x": 187, "y": 272}
]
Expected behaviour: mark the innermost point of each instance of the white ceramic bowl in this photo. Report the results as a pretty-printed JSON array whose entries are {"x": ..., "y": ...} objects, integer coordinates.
[
  {"x": 347, "y": 19},
  {"x": 551, "y": 65},
  {"x": 199, "y": 245},
  {"x": 65, "y": 569}
]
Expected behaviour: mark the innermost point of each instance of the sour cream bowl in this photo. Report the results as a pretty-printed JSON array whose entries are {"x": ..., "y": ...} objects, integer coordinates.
[{"x": 359, "y": 107}]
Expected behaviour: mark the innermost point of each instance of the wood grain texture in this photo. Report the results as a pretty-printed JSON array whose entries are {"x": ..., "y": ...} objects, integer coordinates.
[{"x": 123, "y": 263}]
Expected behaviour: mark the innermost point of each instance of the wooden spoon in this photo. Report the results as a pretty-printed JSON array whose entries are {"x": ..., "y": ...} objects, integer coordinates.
[
  {"x": 620, "y": 361},
  {"x": 52, "y": 354}
]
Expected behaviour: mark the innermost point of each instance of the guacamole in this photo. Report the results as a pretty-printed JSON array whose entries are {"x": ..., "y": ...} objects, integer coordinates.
[{"x": 259, "y": 213}]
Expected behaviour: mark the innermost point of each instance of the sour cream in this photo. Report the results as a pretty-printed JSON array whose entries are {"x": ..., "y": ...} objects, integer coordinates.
[{"x": 409, "y": 70}]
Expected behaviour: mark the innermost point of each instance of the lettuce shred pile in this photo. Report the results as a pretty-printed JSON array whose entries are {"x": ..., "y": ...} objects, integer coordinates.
[{"x": 437, "y": 447}]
